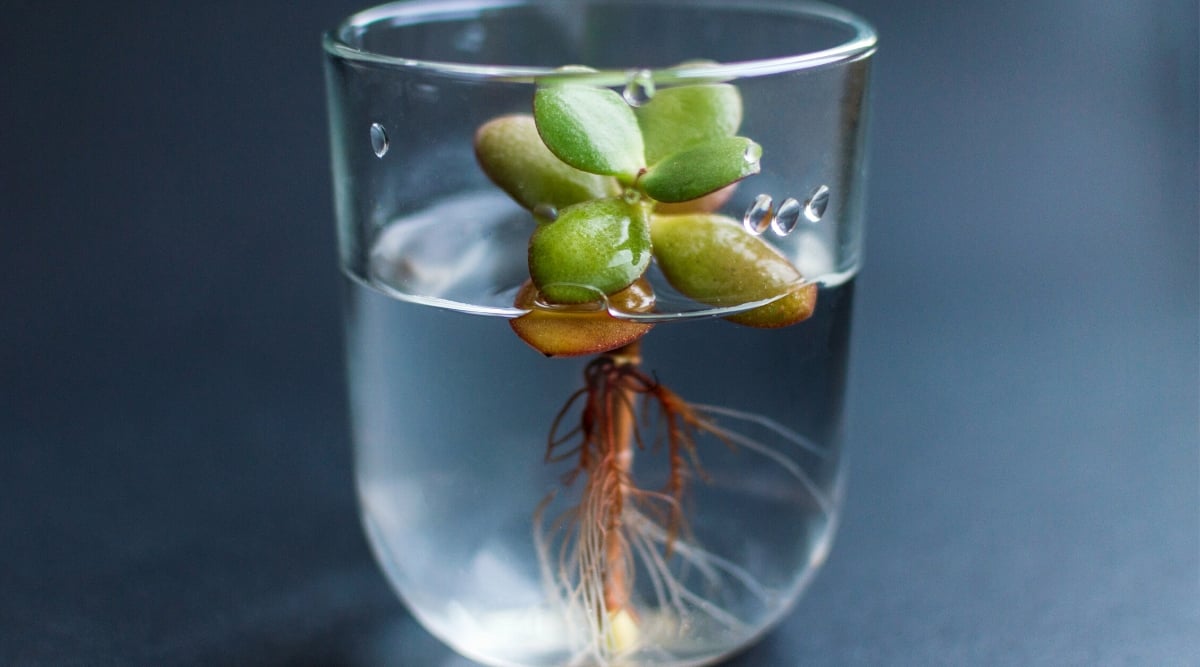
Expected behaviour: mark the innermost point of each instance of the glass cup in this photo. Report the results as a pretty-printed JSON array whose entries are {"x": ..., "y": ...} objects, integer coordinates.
[{"x": 608, "y": 479}]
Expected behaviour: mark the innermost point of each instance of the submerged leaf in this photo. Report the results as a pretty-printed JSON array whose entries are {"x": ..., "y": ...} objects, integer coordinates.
[
  {"x": 714, "y": 260},
  {"x": 678, "y": 118},
  {"x": 701, "y": 169},
  {"x": 569, "y": 332},
  {"x": 590, "y": 128},
  {"x": 594, "y": 248},
  {"x": 512, "y": 154}
]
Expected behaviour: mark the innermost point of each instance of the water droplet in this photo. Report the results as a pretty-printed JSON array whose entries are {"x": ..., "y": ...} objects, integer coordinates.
[
  {"x": 379, "y": 140},
  {"x": 753, "y": 154},
  {"x": 816, "y": 204},
  {"x": 786, "y": 217},
  {"x": 758, "y": 216},
  {"x": 640, "y": 88},
  {"x": 545, "y": 213}
]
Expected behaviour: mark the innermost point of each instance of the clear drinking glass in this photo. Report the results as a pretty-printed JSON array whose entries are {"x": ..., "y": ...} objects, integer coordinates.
[{"x": 658, "y": 501}]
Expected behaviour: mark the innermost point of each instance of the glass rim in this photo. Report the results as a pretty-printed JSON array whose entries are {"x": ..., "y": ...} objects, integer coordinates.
[{"x": 861, "y": 44}]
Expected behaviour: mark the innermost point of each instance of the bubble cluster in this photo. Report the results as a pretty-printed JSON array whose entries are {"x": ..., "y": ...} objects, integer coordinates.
[{"x": 762, "y": 214}]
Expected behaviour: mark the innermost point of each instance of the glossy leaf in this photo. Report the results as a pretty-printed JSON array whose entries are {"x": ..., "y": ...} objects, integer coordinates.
[
  {"x": 702, "y": 169},
  {"x": 679, "y": 118},
  {"x": 593, "y": 249},
  {"x": 714, "y": 260},
  {"x": 511, "y": 153},
  {"x": 590, "y": 128},
  {"x": 574, "y": 331}
]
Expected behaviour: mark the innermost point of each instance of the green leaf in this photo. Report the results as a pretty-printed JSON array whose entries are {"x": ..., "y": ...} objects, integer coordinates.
[
  {"x": 592, "y": 249},
  {"x": 701, "y": 169},
  {"x": 591, "y": 129},
  {"x": 714, "y": 260},
  {"x": 678, "y": 118},
  {"x": 512, "y": 154}
]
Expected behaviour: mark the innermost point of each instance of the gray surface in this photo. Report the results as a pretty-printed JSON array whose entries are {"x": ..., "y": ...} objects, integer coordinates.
[{"x": 174, "y": 483}]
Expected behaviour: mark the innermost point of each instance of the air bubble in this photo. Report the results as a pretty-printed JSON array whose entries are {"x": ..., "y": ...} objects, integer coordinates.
[
  {"x": 786, "y": 217},
  {"x": 816, "y": 204},
  {"x": 639, "y": 89},
  {"x": 758, "y": 216},
  {"x": 379, "y": 140},
  {"x": 545, "y": 212}
]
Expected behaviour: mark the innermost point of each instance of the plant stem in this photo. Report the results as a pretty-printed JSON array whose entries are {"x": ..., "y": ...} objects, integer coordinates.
[{"x": 619, "y": 458}]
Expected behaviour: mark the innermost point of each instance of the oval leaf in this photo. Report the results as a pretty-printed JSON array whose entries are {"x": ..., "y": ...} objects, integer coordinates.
[
  {"x": 569, "y": 332},
  {"x": 679, "y": 118},
  {"x": 593, "y": 249},
  {"x": 701, "y": 169},
  {"x": 512, "y": 154},
  {"x": 714, "y": 260},
  {"x": 589, "y": 128}
]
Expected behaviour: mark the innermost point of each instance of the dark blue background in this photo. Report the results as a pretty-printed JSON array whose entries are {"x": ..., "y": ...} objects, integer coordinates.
[{"x": 174, "y": 464}]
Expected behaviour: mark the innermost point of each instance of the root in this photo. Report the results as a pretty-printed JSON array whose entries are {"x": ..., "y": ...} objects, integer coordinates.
[{"x": 589, "y": 553}]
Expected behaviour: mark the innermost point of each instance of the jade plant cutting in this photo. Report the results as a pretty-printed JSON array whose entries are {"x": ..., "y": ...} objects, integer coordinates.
[{"x": 612, "y": 188}]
